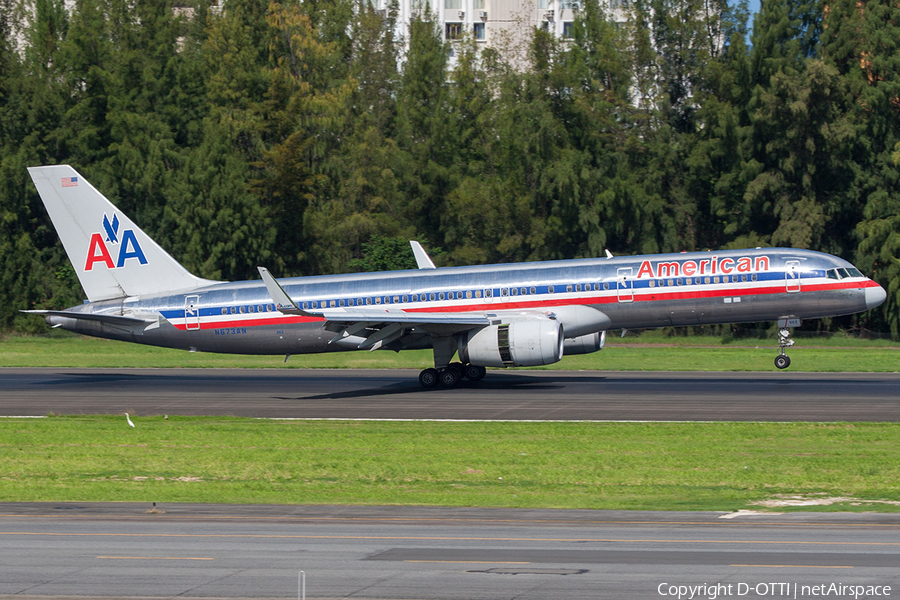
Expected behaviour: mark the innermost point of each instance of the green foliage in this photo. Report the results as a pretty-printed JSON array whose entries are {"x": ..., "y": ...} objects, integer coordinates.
[
  {"x": 384, "y": 254},
  {"x": 307, "y": 137}
]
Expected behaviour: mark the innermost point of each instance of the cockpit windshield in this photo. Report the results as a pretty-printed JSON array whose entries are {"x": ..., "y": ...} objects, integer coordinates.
[{"x": 843, "y": 273}]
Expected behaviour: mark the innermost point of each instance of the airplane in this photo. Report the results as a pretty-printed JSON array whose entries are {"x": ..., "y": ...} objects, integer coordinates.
[{"x": 505, "y": 315}]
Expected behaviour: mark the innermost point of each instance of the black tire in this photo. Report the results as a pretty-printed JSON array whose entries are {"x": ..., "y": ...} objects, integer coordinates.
[
  {"x": 459, "y": 368},
  {"x": 475, "y": 373},
  {"x": 428, "y": 378},
  {"x": 449, "y": 377},
  {"x": 782, "y": 361}
]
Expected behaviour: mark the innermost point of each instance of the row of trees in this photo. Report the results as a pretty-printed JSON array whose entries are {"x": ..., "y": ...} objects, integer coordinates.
[{"x": 304, "y": 136}]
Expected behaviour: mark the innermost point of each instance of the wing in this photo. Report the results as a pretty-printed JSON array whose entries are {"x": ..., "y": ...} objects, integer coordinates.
[{"x": 371, "y": 328}]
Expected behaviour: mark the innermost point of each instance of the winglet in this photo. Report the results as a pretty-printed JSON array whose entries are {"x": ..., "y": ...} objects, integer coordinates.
[
  {"x": 608, "y": 253},
  {"x": 283, "y": 302},
  {"x": 422, "y": 259}
]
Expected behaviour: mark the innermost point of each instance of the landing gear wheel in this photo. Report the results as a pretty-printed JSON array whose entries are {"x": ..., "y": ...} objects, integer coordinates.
[
  {"x": 459, "y": 368},
  {"x": 428, "y": 378},
  {"x": 782, "y": 361},
  {"x": 449, "y": 377},
  {"x": 475, "y": 373}
]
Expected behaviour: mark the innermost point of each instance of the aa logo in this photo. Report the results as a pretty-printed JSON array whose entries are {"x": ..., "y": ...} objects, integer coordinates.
[{"x": 99, "y": 249}]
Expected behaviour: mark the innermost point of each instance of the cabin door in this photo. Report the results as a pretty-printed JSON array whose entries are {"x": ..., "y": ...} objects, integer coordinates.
[
  {"x": 192, "y": 313},
  {"x": 792, "y": 275},
  {"x": 624, "y": 284}
]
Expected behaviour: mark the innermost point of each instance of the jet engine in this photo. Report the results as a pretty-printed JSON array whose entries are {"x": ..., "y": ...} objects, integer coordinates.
[
  {"x": 527, "y": 343},
  {"x": 585, "y": 344}
]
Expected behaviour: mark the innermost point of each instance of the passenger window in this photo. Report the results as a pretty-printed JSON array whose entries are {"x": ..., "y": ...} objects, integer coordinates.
[
  {"x": 715, "y": 280},
  {"x": 568, "y": 288},
  {"x": 706, "y": 280},
  {"x": 514, "y": 291},
  {"x": 524, "y": 291},
  {"x": 440, "y": 295},
  {"x": 478, "y": 293},
  {"x": 251, "y": 308},
  {"x": 605, "y": 285},
  {"x": 224, "y": 311},
  {"x": 468, "y": 293},
  {"x": 377, "y": 299},
  {"x": 652, "y": 283},
  {"x": 270, "y": 307},
  {"x": 488, "y": 293},
  {"x": 242, "y": 309},
  {"x": 387, "y": 299},
  {"x": 233, "y": 310},
  {"x": 549, "y": 289},
  {"x": 368, "y": 301},
  {"x": 743, "y": 278},
  {"x": 504, "y": 291},
  {"x": 340, "y": 303},
  {"x": 406, "y": 298},
  {"x": 679, "y": 281},
  {"x": 753, "y": 277}
]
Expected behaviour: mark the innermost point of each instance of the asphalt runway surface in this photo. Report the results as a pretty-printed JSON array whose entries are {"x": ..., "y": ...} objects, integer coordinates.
[
  {"x": 220, "y": 551},
  {"x": 503, "y": 395}
]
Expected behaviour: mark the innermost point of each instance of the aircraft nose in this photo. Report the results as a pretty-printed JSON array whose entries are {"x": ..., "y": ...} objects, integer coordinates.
[{"x": 875, "y": 296}]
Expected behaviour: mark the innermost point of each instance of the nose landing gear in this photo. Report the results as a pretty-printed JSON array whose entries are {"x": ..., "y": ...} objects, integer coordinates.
[{"x": 783, "y": 361}]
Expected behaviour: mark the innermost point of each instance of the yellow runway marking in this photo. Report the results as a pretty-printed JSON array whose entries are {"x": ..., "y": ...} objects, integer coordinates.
[
  {"x": 474, "y": 562},
  {"x": 158, "y": 557},
  {"x": 796, "y": 566},
  {"x": 444, "y": 538}
]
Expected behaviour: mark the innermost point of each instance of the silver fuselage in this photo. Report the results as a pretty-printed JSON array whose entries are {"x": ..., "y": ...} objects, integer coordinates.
[{"x": 635, "y": 292}]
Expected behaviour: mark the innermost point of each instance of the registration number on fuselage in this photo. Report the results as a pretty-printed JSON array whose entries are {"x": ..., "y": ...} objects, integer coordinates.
[{"x": 231, "y": 331}]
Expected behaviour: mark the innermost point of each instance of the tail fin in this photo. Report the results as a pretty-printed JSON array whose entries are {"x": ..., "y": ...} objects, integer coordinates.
[{"x": 110, "y": 254}]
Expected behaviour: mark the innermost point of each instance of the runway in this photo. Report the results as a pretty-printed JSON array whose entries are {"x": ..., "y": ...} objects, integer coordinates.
[
  {"x": 503, "y": 395},
  {"x": 221, "y": 551}
]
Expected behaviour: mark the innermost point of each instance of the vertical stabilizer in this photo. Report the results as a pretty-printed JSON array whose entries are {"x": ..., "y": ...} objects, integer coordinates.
[{"x": 110, "y": 254}]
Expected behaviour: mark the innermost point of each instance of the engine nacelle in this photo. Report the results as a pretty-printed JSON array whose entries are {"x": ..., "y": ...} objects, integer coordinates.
[
  {"x": 528, "y": 343},
  {"x": 585, "y": 344}
]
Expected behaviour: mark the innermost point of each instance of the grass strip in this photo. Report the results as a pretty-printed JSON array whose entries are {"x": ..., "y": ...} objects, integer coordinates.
[
  {"x": 636, "y": 466},
  {"x": 647, "y": 352}
]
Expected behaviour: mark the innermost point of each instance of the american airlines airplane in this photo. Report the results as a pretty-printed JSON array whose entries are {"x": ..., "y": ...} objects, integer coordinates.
[{"x": 510, "y": 315}]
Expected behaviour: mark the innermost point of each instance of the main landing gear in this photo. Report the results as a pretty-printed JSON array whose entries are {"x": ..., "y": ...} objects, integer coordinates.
[
  {"x": 783, "y": 361},
  {"x": 450, "y": 375}
]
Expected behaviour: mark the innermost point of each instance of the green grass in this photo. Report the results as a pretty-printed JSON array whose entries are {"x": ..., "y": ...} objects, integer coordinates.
[
  {"x": 647, "y": 352},
  {"x": 660, "y": 466}
]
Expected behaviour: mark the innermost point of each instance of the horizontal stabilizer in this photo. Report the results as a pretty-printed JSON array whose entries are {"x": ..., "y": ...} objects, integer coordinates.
[{"x": 135, "y": 324}]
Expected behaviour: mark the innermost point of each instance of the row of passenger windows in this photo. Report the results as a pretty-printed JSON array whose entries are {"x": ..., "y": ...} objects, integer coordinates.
[
  {"x": 477, "y": 294},
  {"x": 249, "y": 309},
  {"x": 842, "y": 273},
  {"x": 700, "y": 280},
  {"x": 504, "y": 292}
]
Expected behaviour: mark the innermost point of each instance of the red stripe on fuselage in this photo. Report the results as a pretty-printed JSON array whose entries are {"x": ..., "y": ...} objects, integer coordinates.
[{"x": 642, "y": 295}]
